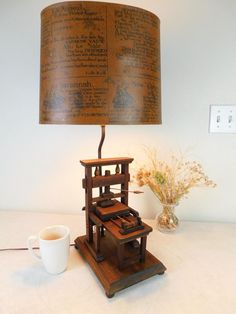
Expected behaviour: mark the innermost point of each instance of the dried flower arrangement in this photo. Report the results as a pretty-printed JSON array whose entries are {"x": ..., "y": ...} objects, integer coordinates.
[{"x": 172, "y": 181}]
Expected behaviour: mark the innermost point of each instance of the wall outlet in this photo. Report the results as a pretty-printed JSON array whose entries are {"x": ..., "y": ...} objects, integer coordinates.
[{"x": 222, "y": 119}]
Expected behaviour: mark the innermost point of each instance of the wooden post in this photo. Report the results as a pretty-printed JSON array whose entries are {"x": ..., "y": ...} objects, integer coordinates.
[
  {"x": 88, "y": 203},
  {"x": 120, "y": 255},
  {"x": 143, "y": 248},
  {"x": 125, "y": 185},
  {"x": 98, "y": 239}
]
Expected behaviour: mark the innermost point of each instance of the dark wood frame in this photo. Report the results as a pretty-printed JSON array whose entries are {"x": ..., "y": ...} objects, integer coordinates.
[{"x": 111, "y": 254}]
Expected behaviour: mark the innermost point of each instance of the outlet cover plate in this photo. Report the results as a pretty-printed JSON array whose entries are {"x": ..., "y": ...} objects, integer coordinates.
[{"x": 222, "y": 119}]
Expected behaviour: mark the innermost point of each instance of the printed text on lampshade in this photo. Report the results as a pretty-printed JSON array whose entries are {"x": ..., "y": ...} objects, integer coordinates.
[{"x": 100, "y": 64}]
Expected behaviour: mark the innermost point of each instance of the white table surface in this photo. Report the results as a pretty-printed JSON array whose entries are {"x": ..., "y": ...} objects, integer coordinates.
[{"x": 200, "y": 277}]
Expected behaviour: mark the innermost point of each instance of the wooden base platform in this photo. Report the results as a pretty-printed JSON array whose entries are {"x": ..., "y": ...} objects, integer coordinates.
[{"x": 107, "y": 271}]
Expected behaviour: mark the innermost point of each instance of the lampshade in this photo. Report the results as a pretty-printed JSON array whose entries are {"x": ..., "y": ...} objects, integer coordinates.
[{"x": 100, "y": 64}]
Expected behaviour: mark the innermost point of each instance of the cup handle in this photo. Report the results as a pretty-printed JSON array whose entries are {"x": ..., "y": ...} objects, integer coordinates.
[{"x": 32, "y": 239}]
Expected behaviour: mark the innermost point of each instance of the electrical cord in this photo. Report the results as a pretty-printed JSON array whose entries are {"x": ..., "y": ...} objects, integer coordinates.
[
  {"x": 18, "y": 249},
  {"x": 24, "y": 248}
]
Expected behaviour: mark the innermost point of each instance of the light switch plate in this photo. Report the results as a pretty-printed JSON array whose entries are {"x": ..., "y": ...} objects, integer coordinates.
[{"x": 222, "y": 119}]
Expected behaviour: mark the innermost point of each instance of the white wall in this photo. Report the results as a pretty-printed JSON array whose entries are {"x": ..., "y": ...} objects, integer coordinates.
[{"x": 39, "y": 164}]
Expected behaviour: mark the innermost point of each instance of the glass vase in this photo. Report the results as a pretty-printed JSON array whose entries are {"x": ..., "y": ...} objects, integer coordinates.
[{"x": 167, "y": 221}]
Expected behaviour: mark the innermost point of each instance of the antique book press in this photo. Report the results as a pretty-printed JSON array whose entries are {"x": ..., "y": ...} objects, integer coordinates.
[{"x": 100, "y": 64}]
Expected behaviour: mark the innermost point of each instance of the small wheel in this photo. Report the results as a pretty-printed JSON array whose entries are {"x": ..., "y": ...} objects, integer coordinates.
[
  {"x": 110, "y": 295},
  {"x": 161, "y": 273}
]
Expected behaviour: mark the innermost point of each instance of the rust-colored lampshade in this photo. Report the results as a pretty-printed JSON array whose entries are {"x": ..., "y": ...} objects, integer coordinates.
[{"x": 100, "y": 64}]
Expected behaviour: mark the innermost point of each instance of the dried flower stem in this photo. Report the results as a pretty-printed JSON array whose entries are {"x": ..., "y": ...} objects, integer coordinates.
[{"x": 173, "y": 181}]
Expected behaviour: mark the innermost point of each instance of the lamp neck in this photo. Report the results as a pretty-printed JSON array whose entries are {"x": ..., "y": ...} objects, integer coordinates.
[{"x": 101, "y": 141}]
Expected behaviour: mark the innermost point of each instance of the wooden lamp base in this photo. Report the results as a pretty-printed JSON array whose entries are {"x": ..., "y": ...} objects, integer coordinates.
[{"x": 111, "y": 277}]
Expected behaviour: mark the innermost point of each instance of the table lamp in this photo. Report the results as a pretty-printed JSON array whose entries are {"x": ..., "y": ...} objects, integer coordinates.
[{"x": 100, "y": 64}]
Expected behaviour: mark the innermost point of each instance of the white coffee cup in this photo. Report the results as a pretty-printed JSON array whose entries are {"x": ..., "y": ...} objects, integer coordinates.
[{"x": 54, "y": 245}]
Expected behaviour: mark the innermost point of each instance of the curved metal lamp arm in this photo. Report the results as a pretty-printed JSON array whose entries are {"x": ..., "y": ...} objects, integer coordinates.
[{"x": 101, "y": 141}]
